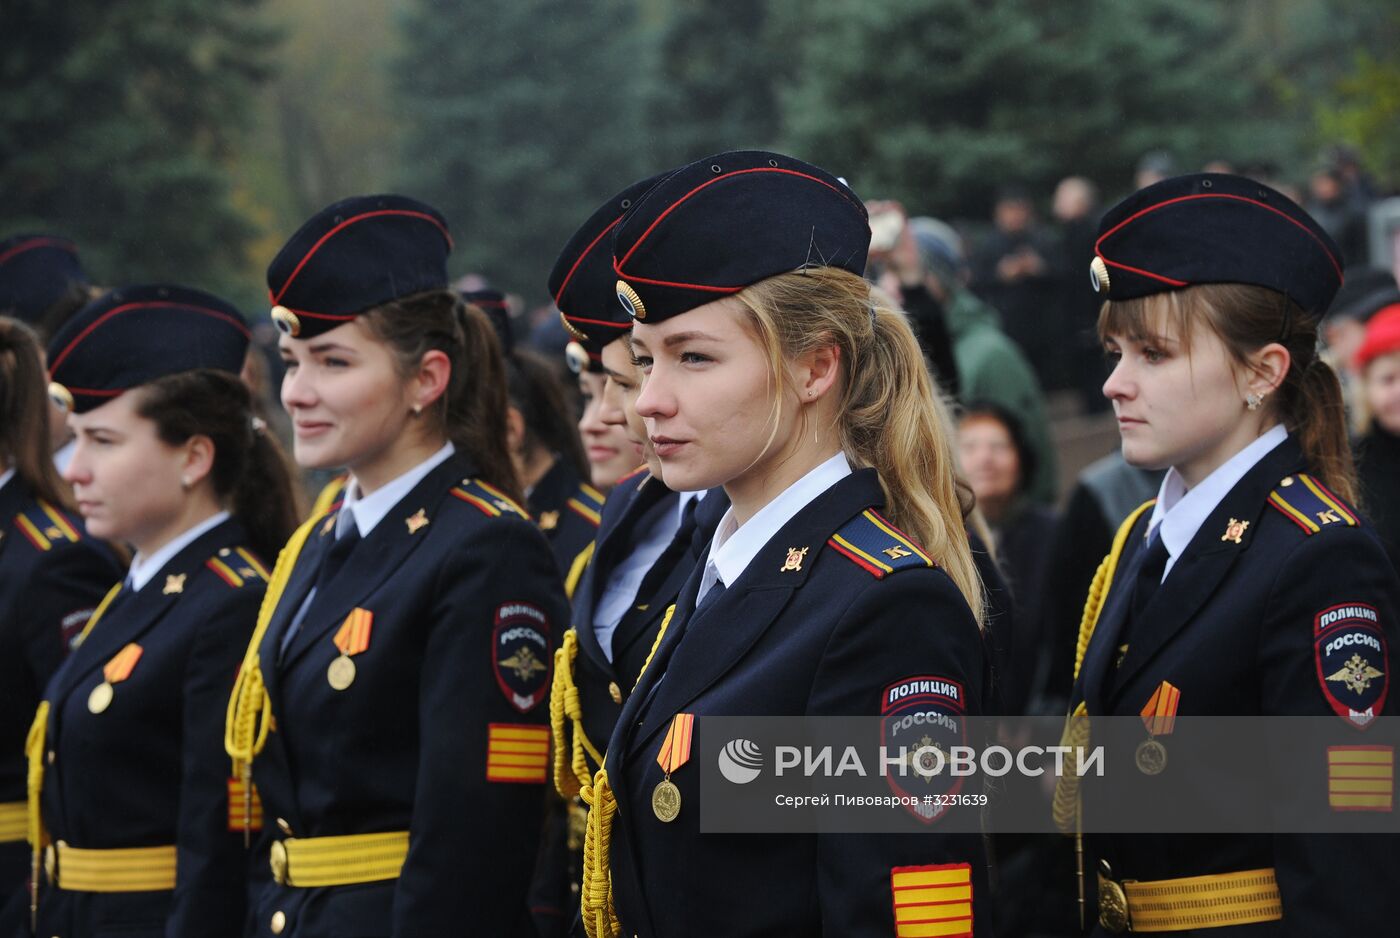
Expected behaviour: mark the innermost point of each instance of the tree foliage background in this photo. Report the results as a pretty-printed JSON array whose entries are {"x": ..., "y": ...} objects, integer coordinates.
[{"x": 186, "y": 139}]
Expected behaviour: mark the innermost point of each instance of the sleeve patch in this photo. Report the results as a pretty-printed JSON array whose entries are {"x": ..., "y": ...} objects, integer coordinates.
[
  {"x": 932, "y": 900},
  {"x": 1360, "y": 778},
  {"x": 1352, "y": 661},
  {"x": 517, "y": 752},
  {"x": 1309, "y": 504},
  {"x": 488, "y": 499},
  {"x": 922, "y": 719},
  {"x": 878, "y": 547},
  {"x": 521, "y": 655},
  {"x": 245, "y": 810}
]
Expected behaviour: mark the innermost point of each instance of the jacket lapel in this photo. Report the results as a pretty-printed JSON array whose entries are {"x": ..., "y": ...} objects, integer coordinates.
[
  {"x": 1206, "y": 561},
  {"x": 376, "y": 558},
  {"x": 1102, "y": 650}
]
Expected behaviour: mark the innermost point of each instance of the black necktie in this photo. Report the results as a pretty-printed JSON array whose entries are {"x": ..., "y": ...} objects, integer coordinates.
[
  {"x": 1151, "y": 564},
  {"x": 335, "y": 558},
  {"x": 716, "y": 591},
  {"x": 680, "y": 545}
]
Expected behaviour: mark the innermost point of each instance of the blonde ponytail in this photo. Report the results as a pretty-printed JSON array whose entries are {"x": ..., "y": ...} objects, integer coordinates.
[{"x": 891, "y": 418}]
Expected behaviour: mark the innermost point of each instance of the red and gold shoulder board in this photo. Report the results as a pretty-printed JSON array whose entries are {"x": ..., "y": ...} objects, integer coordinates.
[
  {"x": 1309, "y": 504},
  {"x": 45, "y": 525},
  {"x": 487, "y": 499},
  {"x": 237, "y": 565},
  {"x": 870, "y": 542}
]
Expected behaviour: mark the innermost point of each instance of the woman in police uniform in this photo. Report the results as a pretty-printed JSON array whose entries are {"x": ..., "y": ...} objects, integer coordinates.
[
  {"x": 1250, "y": 585},
  {"x": 771, "y": 369},
  {"x": 392, "y": 702},
  {"x": 52, "y": 575},
  {"x": 132, "y": 805}
]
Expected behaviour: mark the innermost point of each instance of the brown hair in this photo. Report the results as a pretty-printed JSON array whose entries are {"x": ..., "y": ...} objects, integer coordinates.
[
  {"x": 472, "y": 412},
  {"x": 890, "y": 416},
  {"x": 250, "y": 472},
  {"x": 543, "y": 401},
  {"x": 1246, "y": 318},
  {"x": 24, "y": 414}
]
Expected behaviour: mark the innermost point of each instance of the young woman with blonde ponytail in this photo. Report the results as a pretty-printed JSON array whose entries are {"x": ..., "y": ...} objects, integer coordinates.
[
  {"x": 1251, "y": 586},
  {"x": 839, "y": 583}
]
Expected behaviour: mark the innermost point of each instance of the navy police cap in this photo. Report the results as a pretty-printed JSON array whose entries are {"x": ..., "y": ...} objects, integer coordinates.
[
  {"x": 130, "y": 336},
  {"x": 493, "y": 304},
  {"x": 584, "y": 286},
  {"x": 1214, "y": 228},
  {"x": 35, "y": 272},
  {"x": 731, "y": 220},
  {"x": 355, "y": 255}
]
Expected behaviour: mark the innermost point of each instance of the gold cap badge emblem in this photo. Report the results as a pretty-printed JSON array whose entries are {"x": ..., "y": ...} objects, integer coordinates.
[
  {"x": 631, "y": 301},
  {"x": 60, "y": 395},
  {"x": 286, "y": 321},
  {"x": 573, "y": 330},
  {"x": 1098, "y": 275},
  {"x": 577, "y": 357}
]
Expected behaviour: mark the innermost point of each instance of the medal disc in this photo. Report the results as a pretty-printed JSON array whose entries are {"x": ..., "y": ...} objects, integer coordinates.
[
  {"x": 1151, "y": 757},
  {"x": 341, "y": 673},
  {"x": 666, "y": 801},
  {"x": 100, "y": 698}
]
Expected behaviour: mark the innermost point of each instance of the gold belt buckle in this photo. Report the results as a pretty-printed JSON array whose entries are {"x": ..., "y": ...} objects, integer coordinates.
[
  {"x": 1113, "y": 902},
  {"x": 277, "y": 859}
]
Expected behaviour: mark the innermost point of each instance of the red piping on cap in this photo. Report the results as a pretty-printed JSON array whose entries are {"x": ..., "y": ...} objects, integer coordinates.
[
  {"x": 334, "y": 317},
  {"x": 33, "y": 243},
  {"x": 668, "y": 283},
  {"x": 617, "y": 264},
  {"x": 1214, "y": 195},
  {"x": 89, "y": 392},
  {"x": 276, "y": 298},
  {"x": 599, "y": 322},
  {"x": 1145, "y": 273},
  {"x": 216, "y": 314},
  {"x": 572, "y": 270}
]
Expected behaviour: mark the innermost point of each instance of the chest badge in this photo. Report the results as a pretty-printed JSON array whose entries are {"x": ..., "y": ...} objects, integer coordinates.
[
  {"x": 549, "y": 520},
  {"x": 174, "y": 583},
  {"x": 1234, "y": 530},
  {"x": 793, "y": 564},
  {"x": 416, "y": 521}
]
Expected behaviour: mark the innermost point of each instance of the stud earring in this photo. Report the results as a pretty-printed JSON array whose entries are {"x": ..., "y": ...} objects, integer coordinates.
[{"x": 1252, "y": 400}]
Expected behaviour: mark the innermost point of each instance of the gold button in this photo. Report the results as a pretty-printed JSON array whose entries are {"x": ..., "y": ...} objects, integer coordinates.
[
  {"x": 279, "y": 921},
  {"x": 52, "y": 756},
  {"x": 284, "y": 826},
  {"x": 1287, "y": 480},
  {"x": 277, "y": 862},
  {"x": 615, "y": 692}
]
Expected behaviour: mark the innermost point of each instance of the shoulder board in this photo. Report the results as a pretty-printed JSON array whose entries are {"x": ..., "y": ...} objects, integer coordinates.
[
  {"x": 878, "y": 547},
  {"x": 237, "y": 566},
  {"x": 586, "y": 502},
  {"x": 1309, "y": 504},
  {"x": 633, "y": 474},
  {"x": 45, "y": 525},
  {"x": 490, "y": 500},
  {"x": 330, "y": 497}
]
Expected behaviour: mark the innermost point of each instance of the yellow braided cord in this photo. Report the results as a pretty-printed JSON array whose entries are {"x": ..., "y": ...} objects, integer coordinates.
[
  {"x": 97, "y": 614},
  {"x": 248, "y": 721},
  {"x": 329, "y": 495},
  {"x": 660, "y": 634},
  {"x": 34, "y": 750},
  {"x": 576, "y": 570},
  {"x": 599, "y": 919},
  {"x": 1076, "y": 733},
  {"x": 572, "y": 774}
]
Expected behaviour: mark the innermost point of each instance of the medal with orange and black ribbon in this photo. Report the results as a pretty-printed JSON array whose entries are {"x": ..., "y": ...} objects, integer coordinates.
[
  {"x": 1159, "y": 716},
  {"x": 113, "y": 672},
  {"x": 675, "y": 752},
  {"x": 352, "y": 638}
]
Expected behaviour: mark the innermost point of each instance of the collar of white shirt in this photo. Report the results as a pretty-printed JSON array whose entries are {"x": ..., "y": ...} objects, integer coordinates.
[
  {"x": 1181, "y": 511},
  {"x": 369, "y": 510},
  {"x": 144, "y": 568},
  {"x": 734, "y": 546}
]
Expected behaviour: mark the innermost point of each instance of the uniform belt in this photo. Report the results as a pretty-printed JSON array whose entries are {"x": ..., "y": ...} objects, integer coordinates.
[
  {"x": 338, "y": 861},
  {"x": 124, "y": 869},
  {"x": 1242, "y": 898},
  {"x": 14, "y": 822}
]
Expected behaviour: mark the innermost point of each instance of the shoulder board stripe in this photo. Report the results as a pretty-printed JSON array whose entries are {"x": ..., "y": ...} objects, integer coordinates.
[
  {"x": 496, "y": 493},
  {"x": 898, "y": 535},
  {"x": 224, "y": 571},
  {"x": 254, "y": 562},
  {"x": 635, "y": 472},
  {"x": 486, "y": 507},
  {"x": 588, "y": 513},
  {"x": 31, "y": 531},
  {"x": 878, "y": 568},
  {"x": 1332, "y": 501},
  {"x": 60, "y": 521},
  {"x": 1293, "y": 514},
  {"x": 592, "y": 494}
]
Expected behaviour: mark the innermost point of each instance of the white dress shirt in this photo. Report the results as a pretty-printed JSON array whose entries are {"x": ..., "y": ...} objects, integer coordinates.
[
  {"x": 369, "y": 510},
  {"x": 143, "y": 568},
  {"x": 734, "y": 546},
  {"x": 1181, "y": 511}
]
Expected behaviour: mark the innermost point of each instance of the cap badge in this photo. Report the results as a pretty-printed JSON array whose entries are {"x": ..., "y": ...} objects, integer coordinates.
[
  {"x": 286, "y": 321},
  {"x": 1098, "y": 275},
  {"x": 577, "y": 357},
  {"x": 60, "y": 395},
  {"x": 573, "y": 330},
  {"x": 631, "y": 301}
]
